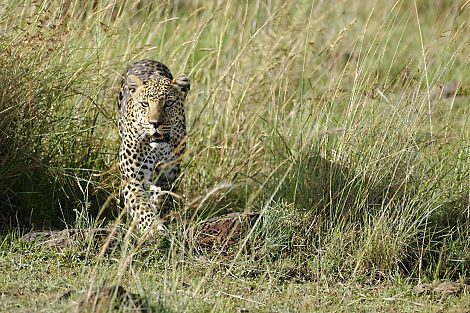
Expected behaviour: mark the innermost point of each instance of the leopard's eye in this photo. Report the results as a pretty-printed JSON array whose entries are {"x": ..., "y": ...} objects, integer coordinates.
[
  {"x": 144, "y": 104},
  {"x": 168, "y": 103}
]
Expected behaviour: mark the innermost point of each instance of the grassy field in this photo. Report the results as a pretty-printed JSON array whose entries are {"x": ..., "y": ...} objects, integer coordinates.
[{"x": 344, "y": 124}]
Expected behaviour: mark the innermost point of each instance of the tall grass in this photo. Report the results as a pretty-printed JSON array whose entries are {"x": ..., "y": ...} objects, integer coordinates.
[
  {"x": 328, "y": 118},
  {"x": 48, "y": 118}
]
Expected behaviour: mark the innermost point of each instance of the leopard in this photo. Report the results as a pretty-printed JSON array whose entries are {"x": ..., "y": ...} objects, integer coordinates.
[{"x": 152, "y": 128}]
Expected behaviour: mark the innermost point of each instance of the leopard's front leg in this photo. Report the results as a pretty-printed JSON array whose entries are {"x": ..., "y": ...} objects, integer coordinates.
[
  {"x": 143, "y": 211},
  {"x": 167, "y": 171}
]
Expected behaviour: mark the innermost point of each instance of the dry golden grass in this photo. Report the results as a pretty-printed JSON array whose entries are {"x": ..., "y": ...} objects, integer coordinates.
[{"x": 344, "y": 124}]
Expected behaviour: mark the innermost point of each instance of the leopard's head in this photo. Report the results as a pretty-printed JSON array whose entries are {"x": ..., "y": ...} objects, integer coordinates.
[{"x": 157, "y": 104}]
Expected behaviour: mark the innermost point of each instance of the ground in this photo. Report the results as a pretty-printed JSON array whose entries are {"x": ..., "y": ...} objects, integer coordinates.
[{"x": 56, "y": 278}]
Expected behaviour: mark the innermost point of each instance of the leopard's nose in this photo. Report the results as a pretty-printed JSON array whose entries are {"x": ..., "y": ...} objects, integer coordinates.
[{"x": 156, "y": 124}]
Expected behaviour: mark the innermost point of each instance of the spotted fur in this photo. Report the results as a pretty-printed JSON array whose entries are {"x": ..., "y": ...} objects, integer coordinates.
[{"x": 153, "y": 133}]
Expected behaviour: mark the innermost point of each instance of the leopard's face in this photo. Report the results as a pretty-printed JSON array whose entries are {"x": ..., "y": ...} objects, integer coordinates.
[{"x": 156, "y": 104}]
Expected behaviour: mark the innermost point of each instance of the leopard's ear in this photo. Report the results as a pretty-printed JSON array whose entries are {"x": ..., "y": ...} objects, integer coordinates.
[
  {"x": 134, "y": 82},
  {"x": 181, "y": 82}
]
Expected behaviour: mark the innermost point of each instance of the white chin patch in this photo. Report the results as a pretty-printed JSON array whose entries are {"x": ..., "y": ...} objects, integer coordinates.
[{"x": 153, "y": 144}]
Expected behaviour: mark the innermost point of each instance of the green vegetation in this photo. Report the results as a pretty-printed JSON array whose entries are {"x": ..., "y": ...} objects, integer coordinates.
[{"x": 345, "y": 124}]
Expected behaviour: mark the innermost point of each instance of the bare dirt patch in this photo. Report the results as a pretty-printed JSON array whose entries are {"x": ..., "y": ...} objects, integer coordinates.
[
  {"x": 224, "y": 231},
  {"x": 219, "y": 232},
  {"x": 115, "y": 298},
  {"x": 68, "y": 238},
  {"x": 444, "y": 288}
]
